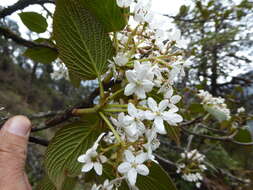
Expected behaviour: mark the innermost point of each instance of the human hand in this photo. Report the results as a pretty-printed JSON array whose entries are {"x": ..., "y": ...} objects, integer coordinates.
[{"x": 13, "y": 147}]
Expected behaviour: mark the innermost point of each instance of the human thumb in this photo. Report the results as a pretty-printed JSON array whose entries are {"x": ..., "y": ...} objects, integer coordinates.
[{"x": 13, "y": 147}]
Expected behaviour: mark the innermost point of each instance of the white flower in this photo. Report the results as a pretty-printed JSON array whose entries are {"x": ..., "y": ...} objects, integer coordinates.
[
  {"x": 95, "y": 187},
  {"x": 92, "y": 159},
  {"x": 241, "y": 110},
  {"x": 142, "y": 11},
  {"x": 125, "y": 124},
  {"x": 124, "y": 3},
  {"x": 140, "y": 80},
  {"x": 133, "y": 165},
  {"x": 176, "y": 36},
  {"x": 109, "y": 138},
  {"x": 134, "y": 120},
  {"x": 120, "y": 59},
  {"x": 152, "y": 144},
  {"x": 107, "y": 185},
  {"x": 158, "y": 114}
]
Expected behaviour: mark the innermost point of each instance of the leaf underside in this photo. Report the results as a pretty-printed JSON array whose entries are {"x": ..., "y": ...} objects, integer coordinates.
[
  {"x": 84, "y": 46},
  {"x": 68, "y": 144}
]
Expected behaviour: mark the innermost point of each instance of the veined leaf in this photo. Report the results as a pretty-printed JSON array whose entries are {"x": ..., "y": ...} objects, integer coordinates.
[
  {"x": 157, "y": 179},
  {"x": 46, "y": 184},
  {"x": 108, "y": 13},
  {"x": 34, "y": 21},
  {"x": 67, "y": 145},
  {"x": 84, "y": 46}
]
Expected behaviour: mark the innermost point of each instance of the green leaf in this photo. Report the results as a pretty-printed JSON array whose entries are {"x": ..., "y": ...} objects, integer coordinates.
[
  {"x": 84, "y": 46},
  {"x": 243, "y": 136},
  {"x": 157, "y": 179},
  {"x": 68, "y": 144},
  {"x": 41, "y": 54},
  {"x": 46, "y": 184},
  {"x": 34, "y": 21},
  {"x": 196, "y": 108},
  {"x": 75, "y": 81},
  {"x": 108, "y": 13}
]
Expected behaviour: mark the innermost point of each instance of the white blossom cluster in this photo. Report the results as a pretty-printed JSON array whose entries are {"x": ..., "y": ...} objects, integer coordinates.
[
  {"x": 241, "y": 110},
  {"x": 216, "y": 103},
  {"x": 191, "y": 167},
  {"x": 141, "y": 116}
]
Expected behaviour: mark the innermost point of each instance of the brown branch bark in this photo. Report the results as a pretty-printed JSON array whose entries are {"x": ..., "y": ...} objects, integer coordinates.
[
  {"x": 19, "y": 40},
  {"x": 21, "y": 4}
]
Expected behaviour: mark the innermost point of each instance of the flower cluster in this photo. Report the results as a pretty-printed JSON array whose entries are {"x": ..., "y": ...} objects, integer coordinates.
[
  {"x": 215, "y": 105},
  {"x": 241, "y": 110},
  {"x": 191, "y": 167},
  {"x": 147, "y": 66}
]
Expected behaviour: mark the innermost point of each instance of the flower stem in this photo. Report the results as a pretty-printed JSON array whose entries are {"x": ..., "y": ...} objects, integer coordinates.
[
  {"x": 84, "y": 111},
  {"x": 111, "y": 127},
  {"x": 115, "y": 94},
  {"x": 101, "y": 87},
  {"x": 115, "y": 110}
]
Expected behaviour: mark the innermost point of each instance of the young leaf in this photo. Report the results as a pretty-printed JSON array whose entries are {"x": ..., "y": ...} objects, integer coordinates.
[
  {"x": 157, "y": 179},
  {"x": 67, "y": 145},
  {"x": 108, "y": 13},
  {"x": 41, "y": 54},
  {"x": 34, "y": 21},
  {"x": 84, "y": 46}
]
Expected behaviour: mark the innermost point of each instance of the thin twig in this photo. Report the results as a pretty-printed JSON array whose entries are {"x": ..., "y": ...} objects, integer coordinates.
[
  {"x": 19, "y": 40},
  {"x": 38, "y": 141},
  {"x": 21, "y": 4}
]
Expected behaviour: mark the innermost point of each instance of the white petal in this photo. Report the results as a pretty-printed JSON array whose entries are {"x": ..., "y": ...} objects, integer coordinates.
[
  {"x": 131, "y": 130},
  {"x": 82, "y": 158},
  {"x": 152, "y": 104},
  {"x": 87, "y": 167},
  {"x": 98, "y": 168},
  {"x": 169, "y": 93},
  {"x": 163, "y": 105},
  {"x": 173, "y": 108},
  {"x": 142, "y": 169},
  {"x": 142, "y": 157},
  {"x": 175, "y": 99},
  {"x": 128, "y": 120},
  {"x": 129, "y": 156},
  {"x": 103, "y": 159},
  {"x": 149, "y": 115},
  {"x": 130, "y": 89},
  {"x": 131, "y": 76},
  {"x": 147, "y": 85},
  {"x": 176, "y": 118},
  {"x": 141, "y": 127},
  {"x": 124, "y": 167},
  {"x": 140, "y": 93},
  {"x": 159, "y": 125},
  {"x": 131, "y": 176},
  {"x": 172, "y": 118},
  {"x": 132, "y": 110}
]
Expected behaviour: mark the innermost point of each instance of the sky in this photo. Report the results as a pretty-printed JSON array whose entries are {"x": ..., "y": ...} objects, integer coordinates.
[{"x": 159, "y": 6}]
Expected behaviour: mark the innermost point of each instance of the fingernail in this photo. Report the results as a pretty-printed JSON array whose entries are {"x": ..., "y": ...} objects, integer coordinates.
[{"x": 18, "y": 125}]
